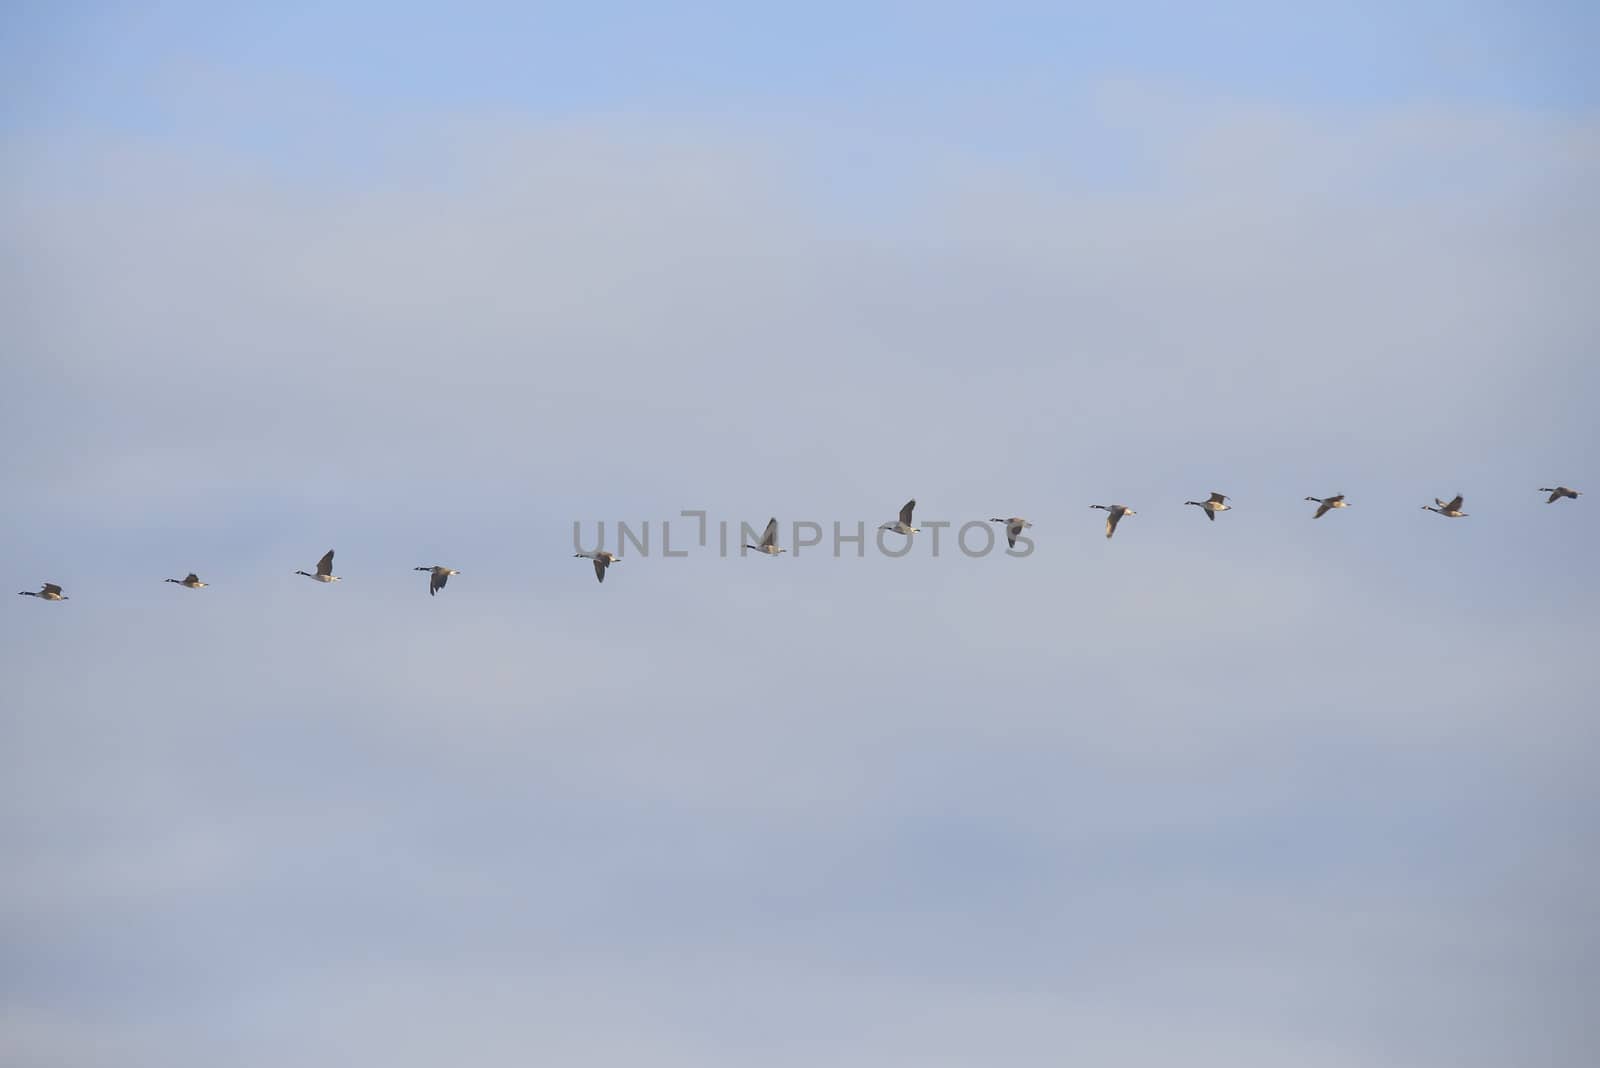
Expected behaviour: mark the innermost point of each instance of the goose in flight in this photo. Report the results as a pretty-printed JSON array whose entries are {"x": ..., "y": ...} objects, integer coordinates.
[
  {"x": 903, "y": 525},
  {"x": 1014, "y": 527},
  {"x": 1558, "y": 492},
  {"x": 1325, "y": 503},
  {"x": 190, "y": 581},
  {"x": 1213, "y": 504},
  {"x": 48, "y": 592},
  {"x": 438, "y": 577},
  {"x": 1449, "y": 509},
  {"x": 769, "y": 540},
  {"x": 1114, "y": 514},
  {"x": 602, "y": 560},
  {"x": 324, "y": 569}
]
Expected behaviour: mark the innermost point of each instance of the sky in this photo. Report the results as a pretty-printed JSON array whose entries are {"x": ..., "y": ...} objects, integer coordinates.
[{"x": 431, "y": 286}]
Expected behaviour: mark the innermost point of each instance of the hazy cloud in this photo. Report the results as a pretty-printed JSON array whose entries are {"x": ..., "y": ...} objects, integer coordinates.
[{"x": 1258, "y": 791}]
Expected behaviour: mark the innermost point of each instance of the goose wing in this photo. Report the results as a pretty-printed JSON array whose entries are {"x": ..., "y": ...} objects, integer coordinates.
[
  {"x": 437, "y": 580},
  {"x": 600, "y": 567},
  {"x": 1112, "y": 515},
  {"x": 1218, "y": 498},
  {"x": 1013, "y": 528},
  {"x": 50, "y": 587},
  {"x": 190, "y": 579},
  {"x": 905, "y": 513},
  {"x": 1454, "y": 505},
  {"x": 325, "y": 565},
  {"x": 1323, "y": 508},
  {"x": 769, "y": 537}
]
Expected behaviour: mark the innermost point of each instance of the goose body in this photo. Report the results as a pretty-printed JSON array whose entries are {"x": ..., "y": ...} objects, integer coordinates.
[
  {"x": 903, "y": 524},
  {"x": 1014, "y": 527},
  {"x": 769, "y": 539},
  {"x": 1114, "y": 514},
  {"x": 324, "y": 572},
  {"x": 191, "y": 581},
  {"x": 437, "y": 577},
  {"x": 48, "y": 592},
  {"x": 1325, "y": 503},
  {"x": 1450, "y": 509},
  {"x": 602, "y": 560},
  {"x": 1558, "y": 492},
  {"x": 1213, "y": 504}
]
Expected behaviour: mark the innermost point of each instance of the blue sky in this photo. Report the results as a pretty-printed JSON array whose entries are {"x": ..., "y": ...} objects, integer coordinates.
[
  {"x": 926, "y": 67},
  {"x": 430, "y": 288}
]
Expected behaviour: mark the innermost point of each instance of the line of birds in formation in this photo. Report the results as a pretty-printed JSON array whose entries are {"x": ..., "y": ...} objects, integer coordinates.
[{"x": 1015, "y": 525}]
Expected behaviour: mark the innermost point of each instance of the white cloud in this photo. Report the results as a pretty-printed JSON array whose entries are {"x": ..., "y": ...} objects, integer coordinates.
[{"x": 1226, "y": 776}]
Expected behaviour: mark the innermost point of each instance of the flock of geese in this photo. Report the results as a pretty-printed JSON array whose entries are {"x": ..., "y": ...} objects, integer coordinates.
[{"x": 438, "y": 575}]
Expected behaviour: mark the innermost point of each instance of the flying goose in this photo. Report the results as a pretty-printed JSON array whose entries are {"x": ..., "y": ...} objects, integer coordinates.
[
  {"x": 1324, "y": 503},
  {"x": 769, "y": 540},
  {"x": 602, "y": 560},
  {"x": 440, "y": 575},
  {"x": 1014, "y": 526},
  {"x": 1558, "y": 492},
  {"x": 48, "y": 592},
  {"x": 903, "y": 526},
  {"x": 190, "y": 581},
  {"x": 1450, "y": 509},
  {"x": 1217, "y": 502},
  {"x": 1115, "y": 512},
  {"x": 324, "y": 569}
]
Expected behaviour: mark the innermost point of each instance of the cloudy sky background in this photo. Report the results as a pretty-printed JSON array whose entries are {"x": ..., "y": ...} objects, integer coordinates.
[{"x": 430, "y": 287}]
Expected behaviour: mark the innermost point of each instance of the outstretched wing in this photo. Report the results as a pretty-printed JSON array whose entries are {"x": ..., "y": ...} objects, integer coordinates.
[
  {"x": 1111, "y": 522},
  {"x": 436, "y": 583},
  {"x": 1217, "y": 498},
  {"x": 1012, "y": 530},
  {"x": 600, "y": 568},
  {"x": 1210, "y": 514},
  {"x": 191, "y": 579},
  {"x": 1454, "y": 505},
  {"x": 1322, "y": 509},
  {"x": 50, "y": 587},
  {"x": 769, "y": 537},
  {"x": 325, "y": 565},
  {"x": 905, "y": 513}
]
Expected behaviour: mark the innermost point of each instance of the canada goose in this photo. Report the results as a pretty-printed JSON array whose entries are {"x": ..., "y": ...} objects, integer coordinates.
[
  {"x": 1217, "y": 502},
  {"x": 769, "y": 540},
  {"x": 1115, "y": 512},
  {"x": 190, "y": 581},
  {"x": 48, "y": 592},
  {"x": 440, "y": 576},
  {"x": 324, "y": 569},
  {"x": 903, "y": 526},
  {"x": 1014, "y": 526},
  {"x": 1558, "y": 492},
  {"x": 1450, "y": 510},
  {"x": 602, "y": 560},
  {"x": 1324, "y": 503}
]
